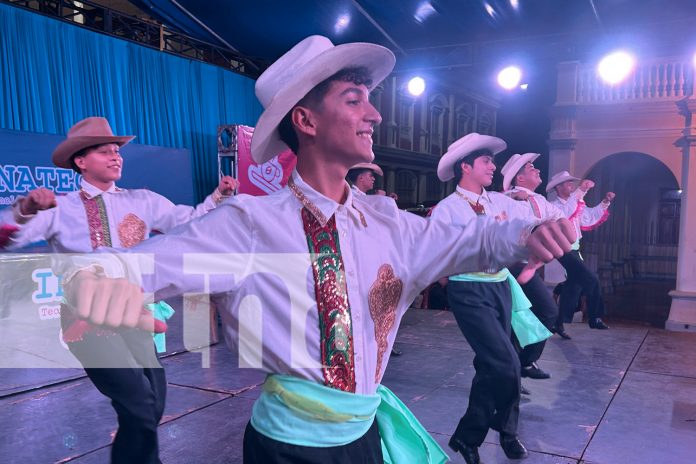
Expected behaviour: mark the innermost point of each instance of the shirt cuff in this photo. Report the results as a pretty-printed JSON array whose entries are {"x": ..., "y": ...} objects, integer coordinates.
[{"x": 218, "y": 197}]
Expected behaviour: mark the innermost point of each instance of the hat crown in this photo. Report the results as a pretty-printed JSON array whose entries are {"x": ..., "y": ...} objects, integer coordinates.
[
  {"x": 560, "y": 175},
  {"x": 91, "y": 127},
  {"x": 462, "y": 141},
  {"x": 510, "y": 163},
  {"x": 285, "y": 68}
]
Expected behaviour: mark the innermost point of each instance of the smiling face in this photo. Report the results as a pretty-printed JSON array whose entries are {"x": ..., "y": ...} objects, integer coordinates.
[
  {"x": 344, "y": 123},
  {"x": 481, "y": 172},
  {"x": 101, "y": 165}
]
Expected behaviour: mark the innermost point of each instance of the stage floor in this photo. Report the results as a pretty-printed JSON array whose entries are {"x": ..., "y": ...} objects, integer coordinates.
[{"x": 625, "y": 395}]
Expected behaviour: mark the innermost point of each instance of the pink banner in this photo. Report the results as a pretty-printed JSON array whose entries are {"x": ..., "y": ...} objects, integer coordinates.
[{"x": 261, "y": 179}]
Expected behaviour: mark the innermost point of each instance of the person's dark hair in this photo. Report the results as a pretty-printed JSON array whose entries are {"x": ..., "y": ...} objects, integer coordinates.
[
  {"x": 358, "y": 75},
  {"x": 469, "y": 159},
  {"x": 353, "y": 174},
  {"x": 513, "y": 182},
  {"x": 82, "y": 153}
]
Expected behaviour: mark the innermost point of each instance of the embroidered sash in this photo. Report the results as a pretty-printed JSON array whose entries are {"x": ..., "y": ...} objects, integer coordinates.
[{"x": 335, "y": 323}]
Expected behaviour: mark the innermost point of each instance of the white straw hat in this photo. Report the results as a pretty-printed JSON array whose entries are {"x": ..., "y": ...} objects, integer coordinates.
[{"x": 298, "y": 71}]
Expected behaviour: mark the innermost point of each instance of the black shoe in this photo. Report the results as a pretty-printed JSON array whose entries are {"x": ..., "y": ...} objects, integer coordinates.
[
  {"x": 598, "y": 324},
  {"x": 534, "y": 372},
  {"x": 563, "y": 334},
  {"x": 513, "y": 447},
  {"x": 524, "y": 391},
  {"x": 470, "y": 453},
  {"x": 395, "y": 352}
]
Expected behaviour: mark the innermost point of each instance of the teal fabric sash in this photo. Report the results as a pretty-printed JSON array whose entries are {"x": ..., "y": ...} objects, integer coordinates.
[
  {"x": 160, "y": 311},
  {"x": 527, "y": 327},
  {"x": 305, "y": 413}
]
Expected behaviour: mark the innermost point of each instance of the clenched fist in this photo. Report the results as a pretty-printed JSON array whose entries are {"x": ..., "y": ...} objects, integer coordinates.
[
  {"x": 228, "y": 185},
  {"x": 37, "y": 200},
  {"x": 109, "y": 302},
  {"x": 586, "y": 184},
  {"x": 551, "y": 240}
]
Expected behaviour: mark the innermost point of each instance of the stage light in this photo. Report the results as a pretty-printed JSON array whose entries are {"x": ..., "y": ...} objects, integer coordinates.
[
  {"x": 489, "y": 10},
  {"x": 616, "y": 67},
  {"x": 509, "y": 78},
  {"x": 524, "y": 86},
  {"x": 342, "y": 23},
  {"x": 424, "y": 11},
  {"x": 515, "y": 4},
  {"x": 416, "y": 86}
]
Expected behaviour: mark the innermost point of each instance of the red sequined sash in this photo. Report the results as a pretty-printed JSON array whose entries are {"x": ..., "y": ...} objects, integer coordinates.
[
  {"x": 97, "y": 220},
  {"x": 335, "y": 325}
]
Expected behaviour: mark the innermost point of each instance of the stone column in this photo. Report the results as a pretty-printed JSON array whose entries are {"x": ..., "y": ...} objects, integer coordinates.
[
  {"x": 682, "y": 313},
  {"x": 561, "y": 154},
  {"x": 422, "y": 185},
  {"x": 389, "y": 180}
]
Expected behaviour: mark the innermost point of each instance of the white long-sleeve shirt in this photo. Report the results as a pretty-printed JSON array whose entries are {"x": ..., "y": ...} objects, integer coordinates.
[
  {"x": 388, "y": 257},
  {"x": 582, "y": 216},
  {"x": 538, "y": 204},
  {"x": 128, "y": 218}
]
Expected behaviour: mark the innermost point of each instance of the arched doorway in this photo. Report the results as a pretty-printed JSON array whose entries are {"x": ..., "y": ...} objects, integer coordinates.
[{"x": 635, "y": 251}]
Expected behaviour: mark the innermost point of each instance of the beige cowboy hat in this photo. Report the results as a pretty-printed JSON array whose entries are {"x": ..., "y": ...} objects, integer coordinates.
[
  {"x": 86, "y": 133},
  {"x": 298, "y": 71},
  {"x": 559, "y": 178},
  {"x": 514, "y": 165},
  {"x": 371, "y": 166},
  {"x": 463, "y": 147}
]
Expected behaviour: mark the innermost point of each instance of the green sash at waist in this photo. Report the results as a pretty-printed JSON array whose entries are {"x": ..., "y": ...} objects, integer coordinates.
[{"x": 305, "y": 413}]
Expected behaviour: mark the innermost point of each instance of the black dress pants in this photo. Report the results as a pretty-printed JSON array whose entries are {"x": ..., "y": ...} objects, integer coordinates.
[
  {"x": 580, "y": 280},
  {"x": 260, "y": 449},
  {"x": 483, "y": 311},
  {"x": 124, "y": 367}
]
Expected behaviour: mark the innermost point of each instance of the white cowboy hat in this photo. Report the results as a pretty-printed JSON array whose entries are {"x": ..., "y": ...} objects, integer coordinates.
[
  {"x": 371, "y": 166},
  {"x": 559, "y": 178},
  {"x": 86, "y": 133},
  {"x": 514, "y": 165},
  {"x": 463, "y": 147},
  {"x": 298, "y": 71}
]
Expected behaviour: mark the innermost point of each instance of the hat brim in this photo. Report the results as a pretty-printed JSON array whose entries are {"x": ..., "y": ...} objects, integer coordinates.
[
  {"x": 266, "y": 143},
  {"x": 67, "y": 148},
  {"x": 515, "y": 169},
  {"x": 445, "y": 168},
  {"x": 552, "y": 184},
  {"x": 371, "y": 166}
]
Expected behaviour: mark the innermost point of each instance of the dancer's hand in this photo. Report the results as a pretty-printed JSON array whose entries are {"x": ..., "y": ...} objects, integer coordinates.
[
  {"x": 37, "y": 200},
  {"x": 551, "y": 240},
  {"x": 227, "y": 185},
  {"x": 529, "y": 270},
  {"x": 109, "y": 302}
]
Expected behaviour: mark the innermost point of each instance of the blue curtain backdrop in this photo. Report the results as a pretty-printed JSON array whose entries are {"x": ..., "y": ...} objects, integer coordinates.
[{"x": 54, "y": 74}]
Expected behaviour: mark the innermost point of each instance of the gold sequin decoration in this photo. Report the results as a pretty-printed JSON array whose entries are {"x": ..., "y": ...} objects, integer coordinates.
[
  {"x": 131, "y": 230},
  {"x": 383, "y": 299}
]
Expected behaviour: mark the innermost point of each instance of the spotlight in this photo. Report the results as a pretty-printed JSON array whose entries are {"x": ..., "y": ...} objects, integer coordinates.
[
  {"x": 524, "y": 86},
  {"x": 416, "y": 86},
  {"x": 342, "y": 23},
  {"x": 616, "y": 67},
  {"x": 509, "y": 78}
]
